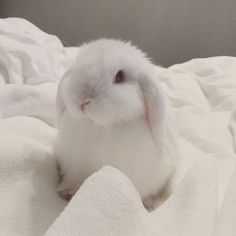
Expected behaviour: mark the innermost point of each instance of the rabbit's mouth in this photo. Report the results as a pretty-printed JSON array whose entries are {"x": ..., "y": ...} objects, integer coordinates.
[{"x": 106, "y": 112}]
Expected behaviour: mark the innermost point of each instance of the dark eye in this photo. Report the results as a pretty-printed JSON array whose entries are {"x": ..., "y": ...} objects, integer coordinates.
[{"x": 120, "y": 77}]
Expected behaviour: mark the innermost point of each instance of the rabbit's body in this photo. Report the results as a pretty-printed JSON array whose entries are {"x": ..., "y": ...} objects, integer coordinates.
[
  {"x": 112, "y": 111},
  {"x": 129, "y": 147}
]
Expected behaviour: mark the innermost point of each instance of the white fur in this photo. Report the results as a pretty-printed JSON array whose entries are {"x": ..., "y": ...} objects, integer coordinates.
[{"x": 112, "y": 130}]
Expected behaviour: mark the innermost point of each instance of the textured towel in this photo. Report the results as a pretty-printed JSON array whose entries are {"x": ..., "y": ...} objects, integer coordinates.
[{"x": 202, "y": 93}]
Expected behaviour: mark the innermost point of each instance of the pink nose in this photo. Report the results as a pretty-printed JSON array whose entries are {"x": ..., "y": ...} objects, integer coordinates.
[{"x": 83, "y": 102}]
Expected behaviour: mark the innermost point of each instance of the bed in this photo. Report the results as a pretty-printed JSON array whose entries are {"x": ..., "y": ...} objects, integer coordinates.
[{"x": 202, "y": 93}]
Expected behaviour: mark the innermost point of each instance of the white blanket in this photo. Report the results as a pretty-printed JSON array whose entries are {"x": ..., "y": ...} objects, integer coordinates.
[{"x": 203, "y": 95}]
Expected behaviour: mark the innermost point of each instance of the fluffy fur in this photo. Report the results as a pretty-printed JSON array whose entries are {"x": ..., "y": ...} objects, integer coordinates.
[{"x": 124, "y": 125}]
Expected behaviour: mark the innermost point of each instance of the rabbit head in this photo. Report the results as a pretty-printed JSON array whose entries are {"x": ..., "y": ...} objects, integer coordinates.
[{"x": 112, "y": 82}]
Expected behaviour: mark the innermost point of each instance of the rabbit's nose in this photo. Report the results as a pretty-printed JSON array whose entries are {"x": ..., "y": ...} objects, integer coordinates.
[{"x": 83, "y": 102}]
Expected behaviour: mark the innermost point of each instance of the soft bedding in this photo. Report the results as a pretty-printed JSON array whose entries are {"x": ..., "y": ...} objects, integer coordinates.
[{"x": 202, "y": 93}]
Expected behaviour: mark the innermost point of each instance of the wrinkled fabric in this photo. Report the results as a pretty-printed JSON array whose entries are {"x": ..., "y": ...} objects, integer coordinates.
[
  {"x": 32, "y": 63},
  {"x": 202, "y": 93}
]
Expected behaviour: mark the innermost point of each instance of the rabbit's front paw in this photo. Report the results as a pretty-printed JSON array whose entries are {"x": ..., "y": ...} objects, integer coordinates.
[{"x": 66, "y": 190}]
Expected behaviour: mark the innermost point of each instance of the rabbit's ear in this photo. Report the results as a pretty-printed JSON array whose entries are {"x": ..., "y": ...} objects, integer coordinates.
[
  {"x": 60, "y": 103},
  {"x": 154, "y": 101}
]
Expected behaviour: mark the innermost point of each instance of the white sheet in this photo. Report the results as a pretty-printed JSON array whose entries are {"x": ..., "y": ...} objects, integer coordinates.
[{"x": 203, "y": 95}]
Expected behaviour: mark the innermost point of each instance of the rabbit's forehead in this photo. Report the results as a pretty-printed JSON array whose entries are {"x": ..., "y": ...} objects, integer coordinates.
[{"x": 100, "y": 67}]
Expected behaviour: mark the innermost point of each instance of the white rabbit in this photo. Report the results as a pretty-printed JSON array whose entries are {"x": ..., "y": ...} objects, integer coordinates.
[{"x": 112, "y": 111}]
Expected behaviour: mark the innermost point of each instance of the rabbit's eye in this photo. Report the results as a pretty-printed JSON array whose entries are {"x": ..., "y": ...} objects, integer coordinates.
[{"x": 120, "y": 77}]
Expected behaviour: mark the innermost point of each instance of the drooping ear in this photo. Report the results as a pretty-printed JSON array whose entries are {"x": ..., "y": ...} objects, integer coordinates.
[
  {"x": 155, "y": 105},
  {"x": 60, "y": 103}
]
